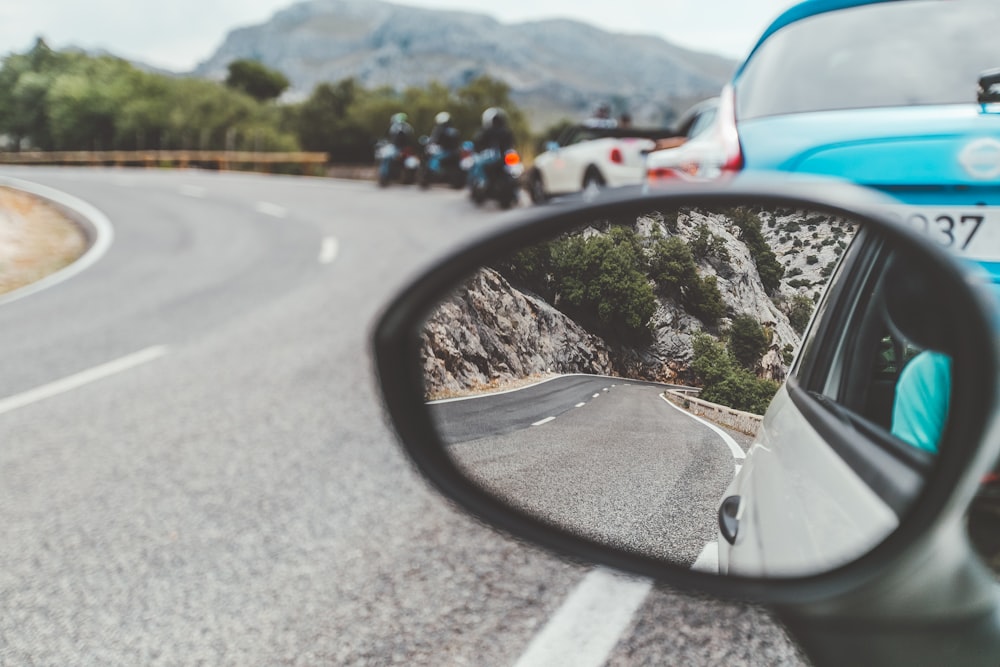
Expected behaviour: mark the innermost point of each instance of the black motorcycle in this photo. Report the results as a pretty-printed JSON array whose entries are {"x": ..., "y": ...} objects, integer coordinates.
[
  {"x": 445, "y": 162},
  {"x": 395, "y": 164},
  {"x": 496, "y": 175}
]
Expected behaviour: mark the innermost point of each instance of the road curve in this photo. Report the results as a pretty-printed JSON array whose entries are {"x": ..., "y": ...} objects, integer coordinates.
[{"x": 203, "y": 472}]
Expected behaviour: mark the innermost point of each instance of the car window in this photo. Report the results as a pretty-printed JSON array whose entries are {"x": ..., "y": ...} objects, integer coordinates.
[
  {"x": 704, "y": 121},
  {"x": 889, "y": 54}
]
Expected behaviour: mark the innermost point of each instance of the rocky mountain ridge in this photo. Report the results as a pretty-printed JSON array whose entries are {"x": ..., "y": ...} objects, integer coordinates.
[
  {"x": 556, "y": 68},
  {"x": 491, "y": 334}
]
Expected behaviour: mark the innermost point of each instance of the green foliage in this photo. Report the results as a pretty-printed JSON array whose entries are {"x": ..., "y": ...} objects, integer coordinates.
[
  {"x": 706, "y": 244},
  {"x": 799, "y": 312},
  {"x": 256, "y": 80},
  {"x": 812, "y": 259},
  {"x": 672, "y": 267},
  {"x": 768, "y": 267},
  {"x": 788, "y": 354},
  {"x": 747, "y": 341},
  {"x": 600, "y": 280},
  {"x": 71, "y": 101},
  {"x": 725, "y": 381}
]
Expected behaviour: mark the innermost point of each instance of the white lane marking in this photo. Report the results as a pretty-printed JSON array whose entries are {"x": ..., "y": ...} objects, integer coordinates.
[
  {"x": 267, "y": 208},
  {"x": 596, "y": 396},
  {"x": 535, "y": 384},
  {"x": 738, "y": 468},
  {"x": 103, "y": 231},
  {"x": 82, "y": 378},
  {"x": 544, "y": 421},
  {"x": 580, "y": 405},
  {"x": 726, "y": 438},
  {"x": 192, "y": 191},
  {"x": 588, "y": 625},
  {"x": 708, "y": 559},
  {"x": 328, "y": 251},
  {"x": 605, "y": 389}
]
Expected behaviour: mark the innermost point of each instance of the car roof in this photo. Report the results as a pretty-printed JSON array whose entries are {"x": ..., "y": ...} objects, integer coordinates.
[{"x": 801, "y": 11}]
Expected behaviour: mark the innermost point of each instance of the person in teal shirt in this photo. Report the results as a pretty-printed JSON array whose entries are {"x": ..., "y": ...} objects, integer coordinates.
[{"x": 923, "y": 395}]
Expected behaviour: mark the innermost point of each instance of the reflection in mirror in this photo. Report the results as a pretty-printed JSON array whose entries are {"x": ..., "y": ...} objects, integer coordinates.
[{"x": 610, "y": 382}]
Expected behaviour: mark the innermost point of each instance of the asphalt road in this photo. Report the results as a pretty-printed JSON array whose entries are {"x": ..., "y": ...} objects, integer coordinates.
[
  {"x": 234, "y": 495},
  {"x": 612, "y": 461}
]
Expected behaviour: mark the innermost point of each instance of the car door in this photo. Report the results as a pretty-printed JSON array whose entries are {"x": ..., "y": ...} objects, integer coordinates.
[{"x": 825, "y": 479}]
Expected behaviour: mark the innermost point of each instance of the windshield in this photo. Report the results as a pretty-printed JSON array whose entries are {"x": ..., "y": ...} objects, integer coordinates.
[{"x": 894, "y": 54}]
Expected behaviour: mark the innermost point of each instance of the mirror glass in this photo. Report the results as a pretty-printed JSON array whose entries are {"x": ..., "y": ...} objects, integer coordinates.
[{"x": 611, "y": 381}]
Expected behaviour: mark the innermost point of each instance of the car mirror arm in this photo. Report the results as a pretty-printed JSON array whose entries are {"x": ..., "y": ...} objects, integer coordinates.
[{"x": 957, "y": 606}]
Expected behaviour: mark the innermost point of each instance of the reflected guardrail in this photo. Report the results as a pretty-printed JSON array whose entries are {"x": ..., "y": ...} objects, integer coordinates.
[
  {"x": 221, "y": 160},
  {"x": 744, "y": 422}
]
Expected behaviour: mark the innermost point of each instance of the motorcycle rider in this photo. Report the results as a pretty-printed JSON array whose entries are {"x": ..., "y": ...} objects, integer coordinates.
[
  {"x": 495, "y": 132},
  {"x": 444, "y": 133},
  {"x": 400, "y": 132},
  {"x": 601, "y": 118}
]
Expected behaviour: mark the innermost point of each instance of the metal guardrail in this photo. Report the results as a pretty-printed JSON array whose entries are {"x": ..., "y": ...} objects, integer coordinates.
[{"x": 175, "y": 158}]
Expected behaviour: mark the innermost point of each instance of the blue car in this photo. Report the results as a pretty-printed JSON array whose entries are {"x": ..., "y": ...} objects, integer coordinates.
[{"x": 899, "y": 95}]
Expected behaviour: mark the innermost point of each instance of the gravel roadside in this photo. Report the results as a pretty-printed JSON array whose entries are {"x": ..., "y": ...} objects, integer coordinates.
[{"x": 36, "y": 239}]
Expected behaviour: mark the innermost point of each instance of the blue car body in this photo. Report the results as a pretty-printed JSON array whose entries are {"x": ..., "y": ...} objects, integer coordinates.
[{"x": 897, "y": 111}]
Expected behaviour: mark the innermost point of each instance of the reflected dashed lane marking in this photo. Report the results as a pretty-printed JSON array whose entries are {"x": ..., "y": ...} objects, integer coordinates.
[{"x": 544, "y": 421}]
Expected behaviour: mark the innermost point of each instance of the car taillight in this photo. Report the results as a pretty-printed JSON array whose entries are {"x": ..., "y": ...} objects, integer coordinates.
[
  {"x": 729, "y": 137},
  {"x": 660, "y": 174},
  {"x": 616, "y": 156},
  {"x": 511, "y": 158}
]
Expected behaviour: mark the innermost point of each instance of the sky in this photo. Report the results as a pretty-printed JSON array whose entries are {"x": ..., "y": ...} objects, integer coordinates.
[{"x": 177, "y": 35}]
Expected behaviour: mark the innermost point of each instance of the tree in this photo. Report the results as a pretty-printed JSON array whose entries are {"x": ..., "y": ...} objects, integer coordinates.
[
  {"x": 747, "y": 341},
  {"x": 256, "y": 80},
  {"x": 725, "y": 382},
  {"x": 799, "y": 312}
]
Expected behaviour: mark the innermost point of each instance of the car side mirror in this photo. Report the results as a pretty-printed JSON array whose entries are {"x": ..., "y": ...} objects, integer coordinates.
[{"x": 595, "y": 379}]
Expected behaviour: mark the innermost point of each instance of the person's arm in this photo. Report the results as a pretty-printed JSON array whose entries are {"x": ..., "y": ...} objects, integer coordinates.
[{"x": 923, "y": 394}]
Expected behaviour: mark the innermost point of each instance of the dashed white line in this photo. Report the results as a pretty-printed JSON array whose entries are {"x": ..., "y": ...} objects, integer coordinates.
[
  {"x": 195, "y": 191},
  {"x": 328, "y": 251},
  {"x": 595, "y": 395},
  {"x": 82, "y": 378},
  {"x": 267, "y": 208},
  {"x": 588, "y": 625},
  {"x": 580, "y": 405},
  {"x": 605, "y": 389},
  {"x": 544, "y": 421}
]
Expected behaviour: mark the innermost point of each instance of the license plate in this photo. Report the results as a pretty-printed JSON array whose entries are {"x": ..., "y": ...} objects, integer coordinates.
[{"x": 972, "y": 232}]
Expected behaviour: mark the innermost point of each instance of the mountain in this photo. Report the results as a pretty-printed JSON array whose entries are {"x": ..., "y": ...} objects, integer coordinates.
[{"x": 556, "y": 68}]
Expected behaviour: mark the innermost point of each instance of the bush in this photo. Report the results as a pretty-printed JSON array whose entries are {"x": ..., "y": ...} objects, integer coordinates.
[
  {"x": 725, "y": 382},
  {"x": 600, "y": 282},
  {"x": 812, "y": 259},
  {"x": 768, "y": 267},
  {"x": 672, "y": 267},
  {"x": 747, "y": 341},
  {"x": 799, "y": 312}
]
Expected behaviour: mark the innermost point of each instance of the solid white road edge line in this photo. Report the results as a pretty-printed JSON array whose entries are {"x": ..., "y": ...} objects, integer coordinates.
[
  {"x": 82, "y": 378},
  {"x": 726, "y": 438},
  {"x": 588, "y": 625},
  {"x": 328, "y": 251},
  {"x": 708, "y": 559},
  {"x": 102, "y": 228},
  {"x": 544, "y": 421},
  {"x": 267, "y": 208}
]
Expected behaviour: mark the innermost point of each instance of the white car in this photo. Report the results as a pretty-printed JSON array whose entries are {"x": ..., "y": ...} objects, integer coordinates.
[
  {"x": 590, "y": 158},
  {"x": 685, "y": 161}
]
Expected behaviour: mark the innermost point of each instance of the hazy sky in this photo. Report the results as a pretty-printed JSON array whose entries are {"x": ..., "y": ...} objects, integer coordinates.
[{"x": 180, "y": 33}]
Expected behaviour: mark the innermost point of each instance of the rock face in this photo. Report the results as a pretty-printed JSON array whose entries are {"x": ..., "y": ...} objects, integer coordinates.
[
  {"x": 490, "y": 335},
  {"x": 555, "y": 68}
]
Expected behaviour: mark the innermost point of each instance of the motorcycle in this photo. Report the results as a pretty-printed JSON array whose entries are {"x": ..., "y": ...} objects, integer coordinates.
[
  {"x": 496, "y": 175},
  {"x": 442, "y": 164},
  {"x": 395, "y": 164}
]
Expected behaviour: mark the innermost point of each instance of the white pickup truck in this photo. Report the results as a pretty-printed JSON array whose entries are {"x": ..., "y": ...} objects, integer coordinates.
[{"x": 589, "y": 158}]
